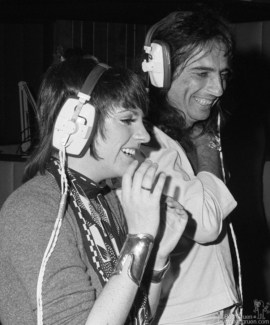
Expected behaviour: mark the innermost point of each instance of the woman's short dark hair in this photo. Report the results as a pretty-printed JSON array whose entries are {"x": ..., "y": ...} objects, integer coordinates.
[
  {"x": 187, "y": 34},
  {"x": 117, "y": 87}
]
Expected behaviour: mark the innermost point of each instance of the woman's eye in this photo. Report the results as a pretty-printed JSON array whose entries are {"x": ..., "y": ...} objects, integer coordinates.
[{"x": 128, "y": 121}]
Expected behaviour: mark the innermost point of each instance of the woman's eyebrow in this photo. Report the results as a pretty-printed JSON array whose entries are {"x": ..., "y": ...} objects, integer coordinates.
[{"x": 132, "y": 111}]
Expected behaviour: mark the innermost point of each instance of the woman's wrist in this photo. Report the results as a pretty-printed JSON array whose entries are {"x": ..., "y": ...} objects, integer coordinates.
[
  {"x": 156, "y": 271},
  {"x": 143, "y": 230},
  {"x": 160, "y": 262},
  {"x": 159, "y": 274}
]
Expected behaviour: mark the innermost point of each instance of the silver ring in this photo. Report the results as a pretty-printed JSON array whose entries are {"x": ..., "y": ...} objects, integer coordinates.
[
  {"x": 215, "y": 143},
  {"x": 146, "y": 188}
]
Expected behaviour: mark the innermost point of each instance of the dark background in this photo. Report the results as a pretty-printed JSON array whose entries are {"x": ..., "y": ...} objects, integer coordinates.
[
  {"x": 32, "y": 30},
  {"x": 32, "y": 33}
]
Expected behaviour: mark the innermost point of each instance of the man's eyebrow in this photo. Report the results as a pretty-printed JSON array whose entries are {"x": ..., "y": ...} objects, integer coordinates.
[{"x": 210, "y": 69}]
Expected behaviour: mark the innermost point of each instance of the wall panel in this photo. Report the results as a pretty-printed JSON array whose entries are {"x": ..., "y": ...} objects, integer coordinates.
[{"x": 113, "y": 43}]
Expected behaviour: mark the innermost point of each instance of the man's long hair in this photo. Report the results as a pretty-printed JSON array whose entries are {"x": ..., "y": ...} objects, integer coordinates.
[{"x": 187, "y": 34}]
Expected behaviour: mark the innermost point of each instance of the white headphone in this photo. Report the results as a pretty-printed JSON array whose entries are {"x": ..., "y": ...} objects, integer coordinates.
[
  {"x": 72, "y": 134},
  {"x": 158, "y": 62},
  {"x": 77, "y": 118}
]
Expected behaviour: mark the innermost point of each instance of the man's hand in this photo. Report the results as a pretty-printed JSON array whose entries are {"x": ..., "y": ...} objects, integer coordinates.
[{"x": 207, "y": 157}]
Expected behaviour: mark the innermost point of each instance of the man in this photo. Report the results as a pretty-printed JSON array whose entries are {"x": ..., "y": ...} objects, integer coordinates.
[{"x": 188, "y": 62}]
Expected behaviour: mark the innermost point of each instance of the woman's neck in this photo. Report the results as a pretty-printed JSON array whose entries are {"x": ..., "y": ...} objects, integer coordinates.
[{"x": 87, "y": 166}]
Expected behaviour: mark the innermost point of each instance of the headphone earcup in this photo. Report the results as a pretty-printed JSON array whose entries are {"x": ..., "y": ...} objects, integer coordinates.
[
  {"x": 159, "y": 65},
  {"x": 75, "y": 134},
  {"x": 161, "y": 75},
  {"x": 77, "y": 118}
]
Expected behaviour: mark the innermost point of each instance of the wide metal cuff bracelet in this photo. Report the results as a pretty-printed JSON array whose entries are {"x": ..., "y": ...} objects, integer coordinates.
[{"x": 139, "y": 247}]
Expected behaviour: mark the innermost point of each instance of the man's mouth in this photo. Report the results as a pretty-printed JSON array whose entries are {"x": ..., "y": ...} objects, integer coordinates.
[{"x": 204, "y": 101}]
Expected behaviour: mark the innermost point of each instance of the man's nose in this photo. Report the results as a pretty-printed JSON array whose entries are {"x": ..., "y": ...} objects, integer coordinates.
[{"x": 216, "y": 86}]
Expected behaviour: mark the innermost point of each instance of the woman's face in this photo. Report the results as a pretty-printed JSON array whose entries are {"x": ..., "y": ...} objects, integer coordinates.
[
  {"x": 200, "y": 83},
  {"x": 124, "y": 134}
]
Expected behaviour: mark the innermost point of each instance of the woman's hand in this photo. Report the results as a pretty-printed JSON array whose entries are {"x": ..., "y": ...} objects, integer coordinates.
[
  {"x": 172, "y": 225},
  {"x": 141, "y": 196}
]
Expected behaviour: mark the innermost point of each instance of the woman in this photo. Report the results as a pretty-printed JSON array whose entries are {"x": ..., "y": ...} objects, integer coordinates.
[{"x": 80, "y": 277}]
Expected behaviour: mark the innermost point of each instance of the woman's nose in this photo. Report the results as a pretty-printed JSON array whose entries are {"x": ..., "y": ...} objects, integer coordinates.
[{"x": 141, "y": 134}]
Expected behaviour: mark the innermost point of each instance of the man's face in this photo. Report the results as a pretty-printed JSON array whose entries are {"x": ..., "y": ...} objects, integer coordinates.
[{"x": 200, "y": 83}]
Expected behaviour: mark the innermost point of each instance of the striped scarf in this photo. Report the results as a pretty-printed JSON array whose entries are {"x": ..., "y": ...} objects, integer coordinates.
[{"x": 101, "y": 230}]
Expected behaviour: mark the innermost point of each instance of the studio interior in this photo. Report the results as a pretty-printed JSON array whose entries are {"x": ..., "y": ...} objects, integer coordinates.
[{"x": 34, "y": 33}]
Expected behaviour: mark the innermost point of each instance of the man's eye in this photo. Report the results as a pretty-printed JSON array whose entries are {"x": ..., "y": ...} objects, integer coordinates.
[
  {"x": 226, "y": 76},
  {"x": 203, "y": 74}
]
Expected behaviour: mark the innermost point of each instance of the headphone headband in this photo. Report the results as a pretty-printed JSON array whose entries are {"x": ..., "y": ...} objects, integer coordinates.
[{"x": 93, "y": 78}]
